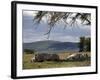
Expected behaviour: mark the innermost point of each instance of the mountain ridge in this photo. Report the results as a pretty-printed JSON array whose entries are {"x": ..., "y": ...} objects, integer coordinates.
[{"x": 50, "y": 45}]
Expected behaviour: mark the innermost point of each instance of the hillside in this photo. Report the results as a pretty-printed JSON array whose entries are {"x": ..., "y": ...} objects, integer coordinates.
[{"x": 50, "y": 45}]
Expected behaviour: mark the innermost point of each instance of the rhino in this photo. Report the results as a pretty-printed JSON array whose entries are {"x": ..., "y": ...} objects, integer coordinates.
[
  {"x": 77, "y": 56},
  {"x": 40, "y": 57}
]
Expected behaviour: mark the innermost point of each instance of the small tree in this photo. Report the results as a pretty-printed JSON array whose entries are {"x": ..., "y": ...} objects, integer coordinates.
[
  {"x": 81, "y": 44},
  {"x": 88, "y": 44},
  {"x": 85, "y": 44}
]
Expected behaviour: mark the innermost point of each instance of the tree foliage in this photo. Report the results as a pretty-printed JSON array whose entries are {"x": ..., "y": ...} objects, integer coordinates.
[
  {"x": 81, "y": 44},
  {"x": 88, "y": 44},
  {"x": 85, "y": 44},
  {"x": 68, "y": 18}
]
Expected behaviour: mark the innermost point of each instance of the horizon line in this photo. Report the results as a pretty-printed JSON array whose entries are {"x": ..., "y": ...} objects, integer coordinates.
[{"x": 52, "y": 40}]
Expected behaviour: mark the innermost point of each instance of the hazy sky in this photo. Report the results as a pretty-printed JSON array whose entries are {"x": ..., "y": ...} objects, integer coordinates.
[{"x": 33, "y": 32}]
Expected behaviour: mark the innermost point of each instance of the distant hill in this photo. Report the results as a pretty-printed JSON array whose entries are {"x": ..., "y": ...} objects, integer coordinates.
[{"x": 50, "y": 45}]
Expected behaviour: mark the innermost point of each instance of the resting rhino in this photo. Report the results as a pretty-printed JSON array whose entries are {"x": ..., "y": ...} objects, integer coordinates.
[
  {"x": 45, "y": 57},
  {"x": 77, "y": 56}
]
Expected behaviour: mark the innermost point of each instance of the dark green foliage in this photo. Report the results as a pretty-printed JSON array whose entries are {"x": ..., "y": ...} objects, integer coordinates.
[
  {"x": 81, "y": 44},
  {"x": 88, "y": 44},
  {"x": 85, "y": 44},
  {"x": 28, "y": 51}
]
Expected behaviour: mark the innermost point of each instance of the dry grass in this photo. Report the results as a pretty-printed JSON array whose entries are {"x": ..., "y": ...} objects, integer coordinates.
[{"x": 27, "y": 64}]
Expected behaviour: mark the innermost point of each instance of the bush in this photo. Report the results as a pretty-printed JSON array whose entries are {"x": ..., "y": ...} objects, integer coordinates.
[{"x": 28, "y": 51}]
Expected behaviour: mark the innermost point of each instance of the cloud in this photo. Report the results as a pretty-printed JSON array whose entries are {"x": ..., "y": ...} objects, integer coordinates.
[
  {"x": 66, "y": 39},
  {"x": 35, "y": 32},
  {"x": 29, "y": 13}
]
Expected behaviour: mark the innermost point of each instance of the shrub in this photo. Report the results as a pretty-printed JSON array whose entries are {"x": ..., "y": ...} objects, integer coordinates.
[{"x": 28, "y": 51}]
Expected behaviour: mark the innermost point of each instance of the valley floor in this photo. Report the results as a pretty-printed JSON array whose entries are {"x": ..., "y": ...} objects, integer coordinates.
[{"x": 27, "y": 64}]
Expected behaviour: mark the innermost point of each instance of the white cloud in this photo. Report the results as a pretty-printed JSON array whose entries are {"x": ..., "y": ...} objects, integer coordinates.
[
  {"x": 29, "y": 13},
  {"x": 66, "y": 38}
]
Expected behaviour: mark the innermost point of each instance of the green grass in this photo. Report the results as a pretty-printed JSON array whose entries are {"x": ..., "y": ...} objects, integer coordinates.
[{"x": 27, "y": 64}]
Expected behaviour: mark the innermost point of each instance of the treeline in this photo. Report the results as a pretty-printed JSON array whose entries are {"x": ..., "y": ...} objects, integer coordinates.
[
  {"x": 28, "y": 51},
  {"x": 85, "y": 44}
]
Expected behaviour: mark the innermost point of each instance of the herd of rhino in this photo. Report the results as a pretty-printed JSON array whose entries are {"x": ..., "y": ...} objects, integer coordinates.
[{"x": 55, "y": 57}]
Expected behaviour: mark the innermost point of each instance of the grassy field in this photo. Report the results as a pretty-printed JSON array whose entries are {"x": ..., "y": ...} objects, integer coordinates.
[{"x": 27, "y": 64}]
